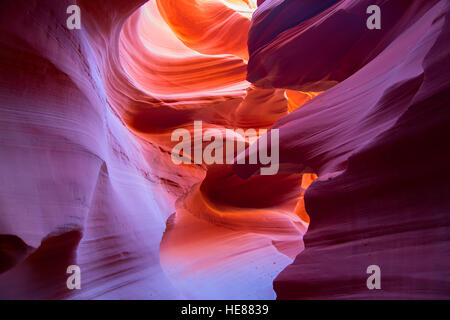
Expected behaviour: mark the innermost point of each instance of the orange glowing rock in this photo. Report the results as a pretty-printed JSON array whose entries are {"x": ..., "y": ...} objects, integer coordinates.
[
  {"x": 210, "y": 27},
  {"x": 300, "y": 209},
  {"x": 296, "y": 99}
]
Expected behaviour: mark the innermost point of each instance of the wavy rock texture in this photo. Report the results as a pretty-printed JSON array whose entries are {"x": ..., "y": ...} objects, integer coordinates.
[
  {"x": 76, "y": 186},
  {"x": 378, "y": 141},
  {"x": 87, "y": 178}
]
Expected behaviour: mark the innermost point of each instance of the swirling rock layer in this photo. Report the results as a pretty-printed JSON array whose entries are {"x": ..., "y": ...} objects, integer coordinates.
[
  {"x": 87, "y": 175},
  {"x": 85, "y": 137},
  {"x": 378, "y": 140}
]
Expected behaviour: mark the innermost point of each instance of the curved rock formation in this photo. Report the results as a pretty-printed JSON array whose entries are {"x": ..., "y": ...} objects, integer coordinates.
[
  {"x": 86, "y": 166},
  {"x": 87, "y": 176},
  {"x": 378, "y": 141}
]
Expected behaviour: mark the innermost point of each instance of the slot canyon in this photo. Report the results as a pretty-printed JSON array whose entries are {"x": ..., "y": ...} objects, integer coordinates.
[{"x": 87, "y": 178}]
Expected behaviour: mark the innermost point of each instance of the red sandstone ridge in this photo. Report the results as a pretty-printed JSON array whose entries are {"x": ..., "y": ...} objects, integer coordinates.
[
  {"x": 86, "y": 175},
  {"x": 86, "y": 170},
  {"x": 378, "y": 140}
]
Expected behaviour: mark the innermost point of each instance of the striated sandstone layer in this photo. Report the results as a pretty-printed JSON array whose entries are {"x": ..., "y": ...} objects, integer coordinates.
[
  {"x": 86, "y": 172},
  {"x": 86, "y": 175},
  {"x": 378, "y": 140}
]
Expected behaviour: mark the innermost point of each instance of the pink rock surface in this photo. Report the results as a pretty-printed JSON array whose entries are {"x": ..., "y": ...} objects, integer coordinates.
[
  {"x": 76, "y": 185},
  {"x": 86, "y": 172},
  {"x": 378, "y": 141},
  {"x": 86, "y": 176}
]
